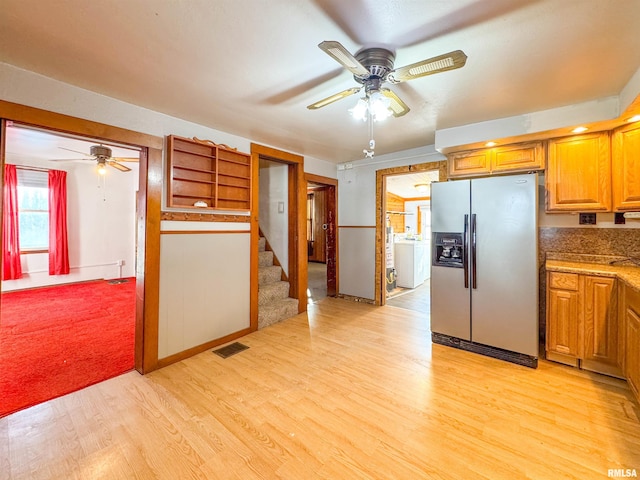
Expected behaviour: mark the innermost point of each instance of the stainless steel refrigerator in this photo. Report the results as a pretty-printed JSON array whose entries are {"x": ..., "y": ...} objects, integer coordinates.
[{"x": 484, "y": 266}]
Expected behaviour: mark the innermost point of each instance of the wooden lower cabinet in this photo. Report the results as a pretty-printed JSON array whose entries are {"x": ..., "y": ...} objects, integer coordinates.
[
  {"x": 632, "y": 348},
  {"x": 582, "y": 322},
  {"x": 600, "y": 321},
  {"x": 563, "y": 317}
]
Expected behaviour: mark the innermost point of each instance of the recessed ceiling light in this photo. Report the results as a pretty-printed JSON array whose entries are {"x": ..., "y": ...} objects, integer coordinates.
[
  {"x": 635, "y": 118},
  {"x": 490, "y": 144},
  {"x": 579, "y": 129}
]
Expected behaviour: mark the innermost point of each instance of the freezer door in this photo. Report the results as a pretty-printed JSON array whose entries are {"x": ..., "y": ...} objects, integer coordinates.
[
  {"x": 504, "y": 302},
  {"x": 450, "y": 300}
]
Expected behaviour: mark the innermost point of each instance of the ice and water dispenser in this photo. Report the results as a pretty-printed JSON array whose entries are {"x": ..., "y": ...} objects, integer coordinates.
[{"x": 448, "y": 250}]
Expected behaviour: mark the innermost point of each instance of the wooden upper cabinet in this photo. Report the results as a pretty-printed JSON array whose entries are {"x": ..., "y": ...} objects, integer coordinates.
[
  {"x": 626, "y": 167},
  {"x": 467, "y": 163},
  {"x": 579, "y": 173},
  {"x": 518, "y": 157}
]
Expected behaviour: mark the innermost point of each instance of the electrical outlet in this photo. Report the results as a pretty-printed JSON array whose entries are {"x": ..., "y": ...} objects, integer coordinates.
[
  {"x": 619, "y": 218},
  {"x": 587, "y": 219}
]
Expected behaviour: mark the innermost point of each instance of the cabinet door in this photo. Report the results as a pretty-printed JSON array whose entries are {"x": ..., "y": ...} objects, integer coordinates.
[
  {"x": 519, "y": 157},
  {"x": 632, "y": 351},
  {"x": 563, "y": 314},
  {"x": 632, "y": 344},
  {"x": 579, "y": 173},
  {"x": 474, "y": 162},
  {"x": 626, "y": 168},
  {"x": 600, "y": 325}
]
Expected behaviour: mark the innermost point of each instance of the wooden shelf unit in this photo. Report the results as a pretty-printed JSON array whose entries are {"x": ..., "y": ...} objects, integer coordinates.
[{"x": 201, "y": 171}]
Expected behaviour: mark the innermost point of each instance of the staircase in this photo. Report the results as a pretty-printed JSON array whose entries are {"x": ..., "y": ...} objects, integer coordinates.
[{"x": 274, "y": 303}]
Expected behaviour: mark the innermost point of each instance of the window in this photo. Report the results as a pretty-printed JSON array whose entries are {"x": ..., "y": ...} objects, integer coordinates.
[{"x": 33, "y": 209}]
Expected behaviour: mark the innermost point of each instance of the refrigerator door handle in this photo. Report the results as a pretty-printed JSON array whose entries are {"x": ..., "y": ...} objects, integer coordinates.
[
  {"x": 465, "y": 252},
  {"x": 474, "y": 277}
]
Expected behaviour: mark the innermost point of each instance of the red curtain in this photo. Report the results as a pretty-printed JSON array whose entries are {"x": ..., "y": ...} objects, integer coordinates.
[
  {"x": 58, "y": 245},
  {"x": 11, "y": 268}
]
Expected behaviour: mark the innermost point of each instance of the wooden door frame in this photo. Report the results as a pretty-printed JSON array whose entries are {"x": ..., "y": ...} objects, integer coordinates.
[
  {"x": 297, "y": 238},
  {"x": 381, "y": 191},
  {"x": 148, "y": 211},
  {"x": 332, "y": 182}
]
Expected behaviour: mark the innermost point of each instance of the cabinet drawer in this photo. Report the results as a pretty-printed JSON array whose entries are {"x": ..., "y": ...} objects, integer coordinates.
[{"x": 564, "y": 281}]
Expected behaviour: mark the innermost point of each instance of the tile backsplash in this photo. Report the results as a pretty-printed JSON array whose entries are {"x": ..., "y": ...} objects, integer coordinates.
[{"x": 593, "y": 241}]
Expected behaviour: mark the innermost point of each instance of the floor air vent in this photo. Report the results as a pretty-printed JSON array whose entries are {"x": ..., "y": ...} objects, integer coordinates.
[{"x": 231, "y": 349}]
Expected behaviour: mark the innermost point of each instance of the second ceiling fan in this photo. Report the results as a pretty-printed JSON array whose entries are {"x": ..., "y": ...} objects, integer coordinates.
[{"x": 373, "y": 67}]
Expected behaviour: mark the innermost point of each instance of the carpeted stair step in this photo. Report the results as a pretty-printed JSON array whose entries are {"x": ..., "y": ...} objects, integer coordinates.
[
  {"x": 265, "y": 259},
  {"x": 262, "y": 244},
  {"x": 277, "y": 311},
  {"x": 269, "y": 274},
  {"x": 270, "y": 292}
]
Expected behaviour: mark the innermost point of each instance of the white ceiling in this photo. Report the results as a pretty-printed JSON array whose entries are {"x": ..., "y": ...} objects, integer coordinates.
[
  {"x": 404, "y": 185},
  {"x": 250, "y": 67}
]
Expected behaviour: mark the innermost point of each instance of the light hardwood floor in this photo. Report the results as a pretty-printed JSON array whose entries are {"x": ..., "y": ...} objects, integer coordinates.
[{"x": 349, "y": 391}]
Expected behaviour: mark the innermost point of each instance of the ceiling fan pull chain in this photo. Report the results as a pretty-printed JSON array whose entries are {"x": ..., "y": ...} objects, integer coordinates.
[{"x": 372, "y": 143}]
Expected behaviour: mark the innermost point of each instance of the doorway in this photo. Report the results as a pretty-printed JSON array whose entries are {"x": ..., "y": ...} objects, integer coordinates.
[
  {"x": 321, "y": 228},
  {"x": 90, "y": 294},
  {"x": 403, "y": 230}
]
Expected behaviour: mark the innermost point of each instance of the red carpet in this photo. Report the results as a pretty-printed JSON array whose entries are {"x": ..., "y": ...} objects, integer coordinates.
[{"x": 56, "y": 340}]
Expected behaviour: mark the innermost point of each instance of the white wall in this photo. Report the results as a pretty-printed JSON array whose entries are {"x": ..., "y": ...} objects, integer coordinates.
[
  {"x": 274, "y": 205},
  {"x": 100, "y": 227},
  {"x": 357, "y": 207},
  {"x": 204, "y": 292}
]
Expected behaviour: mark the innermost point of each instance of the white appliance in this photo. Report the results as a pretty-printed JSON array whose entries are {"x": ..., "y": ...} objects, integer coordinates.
[
  {"x": 411, "y": 263},
  {"x": 484, "y": 269}
]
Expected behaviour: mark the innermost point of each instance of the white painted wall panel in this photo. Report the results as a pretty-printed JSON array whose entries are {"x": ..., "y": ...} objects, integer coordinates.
[
  {"x": 357, "y": 261},
  {"x": 204, "y": 288},
  {"x": 274, "y": 221}
]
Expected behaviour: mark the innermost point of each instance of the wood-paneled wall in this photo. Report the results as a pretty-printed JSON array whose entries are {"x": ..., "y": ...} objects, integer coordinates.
[{"x": 395, "y": 204}]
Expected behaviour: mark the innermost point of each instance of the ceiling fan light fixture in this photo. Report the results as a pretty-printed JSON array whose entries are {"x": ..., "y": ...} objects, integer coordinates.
[
  {"x": 102, "y": 167},
  {"x": 359, "y": 110},
  {"x": 379, "y": 106}
]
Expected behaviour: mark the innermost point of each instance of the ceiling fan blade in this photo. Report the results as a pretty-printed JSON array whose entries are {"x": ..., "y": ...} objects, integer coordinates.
[
  {"x": 341, "y": 55},
  {"x": 334, "y": 98},
  {"x": 118, "y": 166},
  {"x": 441, "y": 63},
  {"x": 72, "y": 160},
  {"x": 125, "y": 159},
  {"x": 76, "y": 151},
  {"x": 397, "y": 106}
]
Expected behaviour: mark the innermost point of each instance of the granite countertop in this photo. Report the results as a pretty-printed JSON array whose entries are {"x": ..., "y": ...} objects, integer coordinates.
[{"x": 599, "y": 265}]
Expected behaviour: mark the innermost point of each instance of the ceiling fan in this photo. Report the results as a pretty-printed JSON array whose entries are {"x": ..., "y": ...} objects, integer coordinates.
[
  {"x": 373, "y": 67},
  {"x": 102, "y": 155}
]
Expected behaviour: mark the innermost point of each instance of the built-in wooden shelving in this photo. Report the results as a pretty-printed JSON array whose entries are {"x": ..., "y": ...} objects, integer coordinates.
[{"x": 202, "y": 171}]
